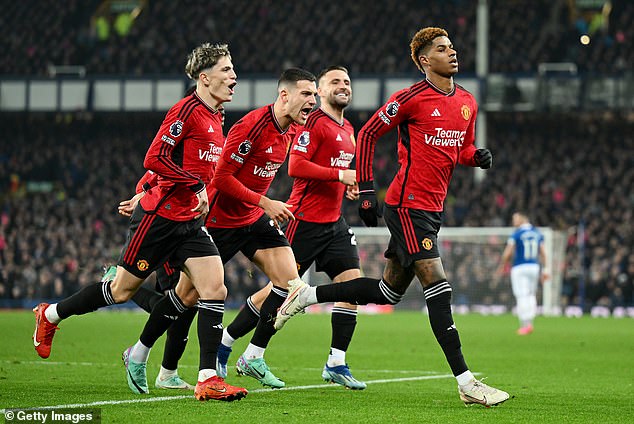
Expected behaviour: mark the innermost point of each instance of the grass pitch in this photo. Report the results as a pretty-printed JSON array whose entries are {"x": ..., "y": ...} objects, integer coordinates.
[{"x": 571, "y": 370}]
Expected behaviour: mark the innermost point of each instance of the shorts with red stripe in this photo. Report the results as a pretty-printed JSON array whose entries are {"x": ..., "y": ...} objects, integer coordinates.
[
  {"x": 167, "y": 277},
  {"x": 332, "y": 246},
  {"x": 153, "y": 240},
  {"x": 413, "y": 234}
]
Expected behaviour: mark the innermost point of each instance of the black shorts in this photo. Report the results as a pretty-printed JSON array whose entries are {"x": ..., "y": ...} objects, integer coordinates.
[
  {"x": 152, "y": 240},
  {"x": 262, "y": 234},
  {"x": 166, "y": 277},
  {"x": 413, "y": 234},
  {"x": 332, "y": 246}
]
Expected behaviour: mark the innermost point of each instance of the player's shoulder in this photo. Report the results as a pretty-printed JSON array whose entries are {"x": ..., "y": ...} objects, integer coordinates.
[
  {"x": 254, "y": 120},
  {"x": 461, "y": 91},
  {"x": 315, "y": 118},
  {"x": 403, "y": 95}
]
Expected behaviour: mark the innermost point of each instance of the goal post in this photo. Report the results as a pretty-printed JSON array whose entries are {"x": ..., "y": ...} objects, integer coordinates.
[{"x": 470, "y": 257}]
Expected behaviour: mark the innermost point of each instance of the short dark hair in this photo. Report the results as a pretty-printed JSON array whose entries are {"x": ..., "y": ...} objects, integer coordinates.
[
  {"x": 331, "y": 68},
  {"x": 422, "y": 40},
  {"x": 294, "y": 75}
]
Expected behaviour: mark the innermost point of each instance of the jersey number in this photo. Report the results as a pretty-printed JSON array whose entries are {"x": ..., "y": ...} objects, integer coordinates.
[{"x": 531, "y": 246}]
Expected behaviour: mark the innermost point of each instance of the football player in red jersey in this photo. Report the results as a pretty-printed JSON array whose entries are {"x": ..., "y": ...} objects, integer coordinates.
[
  {"x": 168, "y": 225},
  {"x": 436, "y": 130},
  {"x": 243, "y": 219},
  {"x": 319, "y": 161}
]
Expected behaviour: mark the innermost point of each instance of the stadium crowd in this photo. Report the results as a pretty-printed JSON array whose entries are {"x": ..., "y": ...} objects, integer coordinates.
[
  {"x": 61, "y": 181},
  {"x": 366, "y": 37}
]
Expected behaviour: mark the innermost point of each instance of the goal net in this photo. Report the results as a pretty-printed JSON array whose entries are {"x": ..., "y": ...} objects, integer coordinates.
[{"x": 470, "y": 256}]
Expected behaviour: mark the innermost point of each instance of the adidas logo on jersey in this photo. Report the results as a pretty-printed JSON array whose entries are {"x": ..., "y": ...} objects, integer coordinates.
[
  {"x": 211, "y": 129},
  {"x": 339, "y": 137},
  {"x": 269, "y": 150},
  {"x": 436, "y": 112}
]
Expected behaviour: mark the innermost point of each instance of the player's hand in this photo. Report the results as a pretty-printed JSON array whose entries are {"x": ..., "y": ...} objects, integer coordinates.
[
  {"x": 278, "y": 211},
  {"x": 126, "y": 207},
  {"x": 348, "y": 176},
  {"x": 203, "y": 203},
  {"x": 368, "y": 204},
  {"x": 352, "y": 192},
  {"x": 544, "y": 277},
  {"x": 483, "y": 158}
]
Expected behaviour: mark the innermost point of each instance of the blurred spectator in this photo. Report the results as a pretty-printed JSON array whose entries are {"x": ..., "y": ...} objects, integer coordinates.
[
  {"x": 366, "y": 37},
  {"x": 70, "y": 175}
]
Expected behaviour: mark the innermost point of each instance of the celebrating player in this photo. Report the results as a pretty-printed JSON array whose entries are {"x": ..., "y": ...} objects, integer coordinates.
[
  {"x": 319, "y": 161},
  {"x": 436, "y": 122},
  {"x": 168, "y": 225}
]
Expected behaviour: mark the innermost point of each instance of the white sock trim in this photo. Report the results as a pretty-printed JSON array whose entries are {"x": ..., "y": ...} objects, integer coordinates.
[
  {"x": 252, "y": 352},
  {"x": 465, "y": 378},
  {"x": 51, "y": 314}
]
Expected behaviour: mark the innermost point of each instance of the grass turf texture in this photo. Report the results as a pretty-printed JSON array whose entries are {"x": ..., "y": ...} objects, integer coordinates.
[{"x": 569, "y": 371}]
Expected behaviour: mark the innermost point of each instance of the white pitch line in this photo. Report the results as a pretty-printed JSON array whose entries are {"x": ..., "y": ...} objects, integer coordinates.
[
  {"x": 115, "y": 364},
  {"x": 168, "y": 398}
]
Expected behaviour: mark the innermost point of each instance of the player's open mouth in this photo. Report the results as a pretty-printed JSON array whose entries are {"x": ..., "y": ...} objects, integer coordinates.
[
  {"x": 305, "y": 111},
  {"x": 231, "y": 90}
]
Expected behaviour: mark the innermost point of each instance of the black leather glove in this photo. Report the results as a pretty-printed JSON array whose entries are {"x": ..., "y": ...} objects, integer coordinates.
[
  {"x": 368, "y": 205},
  {"x": 483, "y": 158}
]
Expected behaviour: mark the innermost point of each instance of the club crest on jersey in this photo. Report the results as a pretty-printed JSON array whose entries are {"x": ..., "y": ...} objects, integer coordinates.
[
  {"x": 466, "y": 112},
  {"x": 427, "y": 243},
  {"x": 176, "y": 128},
  {"x": 392, "y": 109},
  {"x": 304, "y": 139},
  {"x": 244, "y": 147}
]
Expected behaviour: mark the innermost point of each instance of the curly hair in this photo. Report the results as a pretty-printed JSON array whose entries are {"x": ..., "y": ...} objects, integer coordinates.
[
  {"x": 422, "y": 40},
  {"x": 205, "y": 56}
]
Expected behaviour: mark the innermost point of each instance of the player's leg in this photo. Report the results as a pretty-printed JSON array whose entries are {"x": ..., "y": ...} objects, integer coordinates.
[
  {"x": 88, "y": 299},
  {"x": 207, "y": 276},
  {"x": 524, "y": 284},
  {"x": 437, "y": 292},
  {"x": 178, "y": 332},
  {"x": 246, "y": 321},
  {"x": 340, "y": 260},
  {"x": 167, "y": 311},
  {"x": 278, "y": 263}
]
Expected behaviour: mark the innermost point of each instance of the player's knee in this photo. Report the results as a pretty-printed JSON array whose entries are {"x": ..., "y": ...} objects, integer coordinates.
[
  {"x": 121, "y": 294},
  {"x": 189, "y": 298}
]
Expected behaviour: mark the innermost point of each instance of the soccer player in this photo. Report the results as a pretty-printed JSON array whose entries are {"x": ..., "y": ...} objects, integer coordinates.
[
  {"x": 319, "y": 161},
  {"x": 242, "y": 218},
  {"x": 436, "y": 122},
  {"x": 168, "y": 225},
  {"x": 526, "y": 248}
]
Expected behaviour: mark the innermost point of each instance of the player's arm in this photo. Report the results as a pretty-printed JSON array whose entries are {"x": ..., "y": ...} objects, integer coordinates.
[
  {"x": 469, "y": 154},
  {"x": 542, "y": 260},
  {"x": 158, "y": 158},
  {"x": 507, "y": 256},
  {"x": 147, "y": 181},
  {"x": 234, "y": 154},
  {"x": 383, "y": 120},
  {"x": 300, "y": 164}
]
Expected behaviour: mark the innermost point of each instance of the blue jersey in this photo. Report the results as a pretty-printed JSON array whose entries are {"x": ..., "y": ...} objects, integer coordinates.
[{"x": 527, "y": 240}]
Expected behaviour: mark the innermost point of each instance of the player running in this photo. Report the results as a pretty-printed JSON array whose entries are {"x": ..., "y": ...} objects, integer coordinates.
[
  {"x": 436, "y": 122},
  {"x": 319, "y": 161},
  {"x": 168, "y": 225}
]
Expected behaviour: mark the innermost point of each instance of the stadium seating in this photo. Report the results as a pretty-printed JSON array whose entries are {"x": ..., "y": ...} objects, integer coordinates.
[{"x": 62, "y": 179}]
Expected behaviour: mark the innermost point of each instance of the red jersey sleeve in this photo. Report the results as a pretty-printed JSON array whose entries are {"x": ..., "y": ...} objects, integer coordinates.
[
  {"x": 385, "y": 119},
  {"x": 468, "y": 148},
  {"x": 234, "y": 153},
  {"x": 147, "y": 181},
  {"x": 159, "y": 156},
  {"x": 300, "y": 164}
]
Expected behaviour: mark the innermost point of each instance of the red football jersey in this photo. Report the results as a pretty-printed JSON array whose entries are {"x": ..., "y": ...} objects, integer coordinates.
[
  {"x": 436, "y": 131},
  {"x": 330, "y": 145},
  {"x": 183, "y": 154},
  {"x": 255, "y": 149}
]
